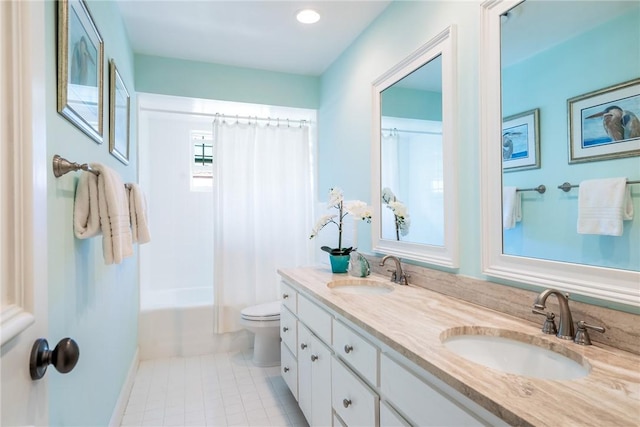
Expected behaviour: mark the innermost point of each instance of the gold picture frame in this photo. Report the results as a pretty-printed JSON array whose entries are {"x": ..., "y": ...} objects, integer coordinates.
[
  {"x": 80, "y": 68},
  {"x": 119, "y": 113}
]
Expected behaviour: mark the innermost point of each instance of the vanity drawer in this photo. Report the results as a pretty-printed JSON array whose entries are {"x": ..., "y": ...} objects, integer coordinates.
[
  {"x": 289, "y": 297},
  {"x": 289, "y": 329},
  {"x": 289, "y": 369},
  {"x": 354, "y": 402},
  {"x": 359, "y": 353},
  {"x": 418, "y": 401},
  {"x": 315, "y": 318}
]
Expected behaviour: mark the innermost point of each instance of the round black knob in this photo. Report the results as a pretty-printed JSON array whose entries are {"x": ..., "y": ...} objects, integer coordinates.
[{"x": 64, "y": 357}]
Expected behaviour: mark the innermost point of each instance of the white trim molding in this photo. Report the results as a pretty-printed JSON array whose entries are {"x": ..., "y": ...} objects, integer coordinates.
[{"x": 619, "y": 286}]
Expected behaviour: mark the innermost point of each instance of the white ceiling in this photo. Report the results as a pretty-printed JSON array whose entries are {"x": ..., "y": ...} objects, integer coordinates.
[{"x": 253, "y": 34}]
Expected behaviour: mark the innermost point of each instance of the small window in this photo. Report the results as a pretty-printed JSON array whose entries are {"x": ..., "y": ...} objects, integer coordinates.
[{"x": 201, "y": 161}]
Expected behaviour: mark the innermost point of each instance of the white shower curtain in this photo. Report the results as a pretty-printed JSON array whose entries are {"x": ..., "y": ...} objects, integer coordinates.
[{"x": 262, "y": 212}]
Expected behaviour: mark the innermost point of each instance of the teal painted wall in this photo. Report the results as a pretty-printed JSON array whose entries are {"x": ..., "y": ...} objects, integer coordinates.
[
  {"x": 168, "y": 76},
  {"x": 548, "y": 227},
  {"x": 97, "y": 305},
  {"x": 412, "y": 104},
  {"x": 344, "y": 153}
]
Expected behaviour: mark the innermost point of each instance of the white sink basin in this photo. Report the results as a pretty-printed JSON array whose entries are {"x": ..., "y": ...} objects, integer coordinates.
[
  {"x": 355, "y": 285},
  {"x": 517, "y": 353}
]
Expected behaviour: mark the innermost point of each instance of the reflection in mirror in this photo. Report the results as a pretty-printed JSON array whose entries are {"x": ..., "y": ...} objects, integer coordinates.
[
  {"x": 539, "y": 61},
  {"x": 411, "y": 157},
  {"x": 413, "y": 139},
  {"x": 560, "y": 62}
]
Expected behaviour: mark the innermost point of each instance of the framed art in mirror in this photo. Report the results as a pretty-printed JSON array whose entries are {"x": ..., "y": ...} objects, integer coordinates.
[
  {"x": 80, "y": 70},
  {"x": 119, "y": 111},
  {"x": 413, "y": 182},
  {"x": 521, "y": 141},
  {"x": 570, "y": 271},
  {"x": 605, "y": 124}
]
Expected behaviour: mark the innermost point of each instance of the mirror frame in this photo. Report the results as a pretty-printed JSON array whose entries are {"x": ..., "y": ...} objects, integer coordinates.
[
  {"x": 620, "y": 286},
  {"x": 447, "y": 255}
]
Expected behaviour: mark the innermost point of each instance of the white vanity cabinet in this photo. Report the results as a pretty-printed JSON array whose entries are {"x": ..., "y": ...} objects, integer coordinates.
[
  {"x": 314, "y": 378},
  {"x": 344, "y": 376}
]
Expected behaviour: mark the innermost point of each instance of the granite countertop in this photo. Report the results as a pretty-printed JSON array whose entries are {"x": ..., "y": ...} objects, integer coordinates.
[{"x": 413, "y": 321}]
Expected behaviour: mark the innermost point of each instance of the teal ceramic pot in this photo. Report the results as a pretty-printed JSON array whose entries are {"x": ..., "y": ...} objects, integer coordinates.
[{"x": 339, "y": 263}]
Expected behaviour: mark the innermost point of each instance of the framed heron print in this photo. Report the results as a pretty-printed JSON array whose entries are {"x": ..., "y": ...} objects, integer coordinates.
[
  {"x": 605, "y": 124},
  {"x": 521, "y": 141},
  {"x": 80, "y": 68},
  {"x": 119, "y": 102}
]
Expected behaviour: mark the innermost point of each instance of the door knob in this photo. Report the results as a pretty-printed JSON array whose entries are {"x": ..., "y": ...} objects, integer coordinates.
[{"x": 63, "y": 357}]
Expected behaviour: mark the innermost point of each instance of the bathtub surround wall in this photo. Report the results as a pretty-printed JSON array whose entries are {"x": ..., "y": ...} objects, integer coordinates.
[
  {"x": 178, "y": 261},
  {"x": 95, "y": 304}
]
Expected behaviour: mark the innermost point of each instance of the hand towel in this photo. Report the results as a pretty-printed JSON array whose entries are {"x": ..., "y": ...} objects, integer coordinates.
[
  {"x": 511, "y": 207},
  {"x": 602, "y": 206},
  {"x": 114, "y": 215},
  {"x": 86, "y": 217},
  {"x": 138, "y": 214}
]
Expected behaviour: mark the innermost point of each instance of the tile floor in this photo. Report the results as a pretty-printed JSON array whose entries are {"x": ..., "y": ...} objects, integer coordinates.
[{"x": 212, "y": 390}]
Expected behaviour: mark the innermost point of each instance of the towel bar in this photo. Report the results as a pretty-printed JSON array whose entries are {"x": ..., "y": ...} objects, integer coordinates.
[
  {"x": 62, "y": 166},
  {"x": 540, "y": 189},
  {"x": 567, "y": 186}
]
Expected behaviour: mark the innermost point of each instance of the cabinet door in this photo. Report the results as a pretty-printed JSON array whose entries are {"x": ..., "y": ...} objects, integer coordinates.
[
  {"x": 320, "y": 383},
  {"x": 304, "y": 371},
  {"x": 352, "y": 399}
]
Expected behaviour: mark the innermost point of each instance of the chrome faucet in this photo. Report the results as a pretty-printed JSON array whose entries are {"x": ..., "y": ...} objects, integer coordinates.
[
  {"x": 565, "y": 324},
  {"x": 397, "y": 276}
]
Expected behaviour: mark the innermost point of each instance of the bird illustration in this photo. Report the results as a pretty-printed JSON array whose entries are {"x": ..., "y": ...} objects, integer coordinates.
[
  {"x": 507, "y": 144},
  {"x": 619, "y": 124}
]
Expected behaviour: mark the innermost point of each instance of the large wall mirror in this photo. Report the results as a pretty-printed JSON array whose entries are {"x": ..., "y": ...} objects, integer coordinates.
[
  {"x": 413, "y": 173},
  {"x": 551, "y": 81}
]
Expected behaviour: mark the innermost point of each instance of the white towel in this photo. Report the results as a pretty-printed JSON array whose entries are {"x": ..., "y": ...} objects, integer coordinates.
[
  {"x": 511, "y": 207},
  {"x": 86, "y": 218},
  {"x": 602, "y": 206},
  {"x": 138, "y": 214}
]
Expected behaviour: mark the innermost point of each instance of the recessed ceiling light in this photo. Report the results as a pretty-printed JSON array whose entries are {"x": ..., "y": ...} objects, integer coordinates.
[{"x": 308, "y": 16}]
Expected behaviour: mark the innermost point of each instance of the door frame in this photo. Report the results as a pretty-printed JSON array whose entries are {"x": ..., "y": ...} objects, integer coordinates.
[{"x": 22, "y": 105}]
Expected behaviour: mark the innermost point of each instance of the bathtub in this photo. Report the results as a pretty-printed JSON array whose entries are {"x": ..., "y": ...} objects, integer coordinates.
[{"x": 179, "y": 322}]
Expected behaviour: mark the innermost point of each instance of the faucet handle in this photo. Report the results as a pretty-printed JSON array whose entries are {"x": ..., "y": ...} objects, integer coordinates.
[
  {"x": 394, "y": 274},
  {"x": 549, "y": 326},
  {"x": 582, "y": 335}
]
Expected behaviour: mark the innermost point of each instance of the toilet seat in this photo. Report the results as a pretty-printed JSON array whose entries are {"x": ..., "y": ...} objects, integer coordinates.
[{"x": 262, "y": 312}]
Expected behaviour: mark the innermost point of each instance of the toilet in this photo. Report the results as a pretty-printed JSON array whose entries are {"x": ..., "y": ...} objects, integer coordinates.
[{"x": 264, "y": 321}]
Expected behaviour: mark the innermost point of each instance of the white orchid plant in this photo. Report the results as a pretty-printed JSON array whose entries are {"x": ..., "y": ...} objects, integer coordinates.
[
  {"x": 356, "y": 208},
  {"x": 402, "y": 219}
]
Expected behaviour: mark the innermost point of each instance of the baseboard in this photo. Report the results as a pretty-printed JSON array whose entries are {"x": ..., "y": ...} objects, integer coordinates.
[{"x": 121, "y": 404}]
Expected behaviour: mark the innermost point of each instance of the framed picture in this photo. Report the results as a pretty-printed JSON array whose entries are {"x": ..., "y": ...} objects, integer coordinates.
[
  {"x": 80, "y": 68},
  {"x": 118, "y": 115},
  {"x": 605, "y": 124},
  {"x": 521, "y": 141}
]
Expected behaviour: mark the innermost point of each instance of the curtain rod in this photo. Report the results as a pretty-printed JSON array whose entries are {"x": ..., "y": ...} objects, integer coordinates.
[
  {"x": 234, "y": 117},
  {"x": 422, "y": 132}
]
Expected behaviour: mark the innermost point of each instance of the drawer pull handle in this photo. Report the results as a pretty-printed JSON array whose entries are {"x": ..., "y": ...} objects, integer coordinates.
[
  {"x": 286, "y": 369},
  {"x": 314, "y": 357},
  {"x": 348, "y": 348},
  {"x": 303, "y": 346},
  {"x": 346, "y": 403},
  {"x": 285, "y": 296},
  {"x": 285, "y": 329}
]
